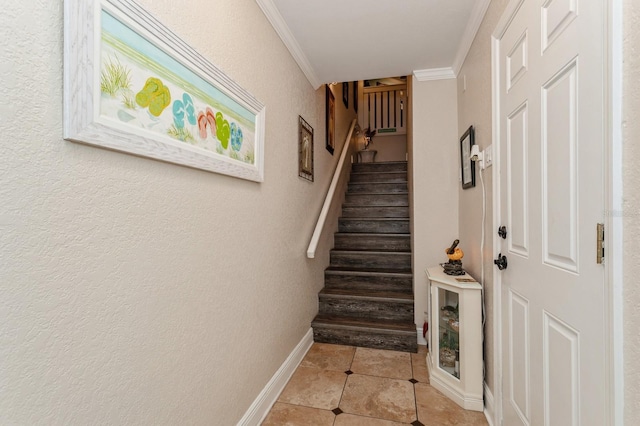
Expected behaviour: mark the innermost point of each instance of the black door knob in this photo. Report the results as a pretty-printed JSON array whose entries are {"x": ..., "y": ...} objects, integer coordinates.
[
  {"x": 501, "y": 262},
  {"x": 502, "y": 232}
]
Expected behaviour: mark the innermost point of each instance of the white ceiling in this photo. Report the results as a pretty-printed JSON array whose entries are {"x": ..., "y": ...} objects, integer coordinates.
[{"x": 345, "y": 40}]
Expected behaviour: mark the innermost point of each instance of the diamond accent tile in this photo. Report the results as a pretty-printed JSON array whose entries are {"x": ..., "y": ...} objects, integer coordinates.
[
  {"x": 348, "y": 372},
  {"x": 414, "y": 381},
  {"x": 337, "y": 411},
  {"x": 417, "y": 423}
]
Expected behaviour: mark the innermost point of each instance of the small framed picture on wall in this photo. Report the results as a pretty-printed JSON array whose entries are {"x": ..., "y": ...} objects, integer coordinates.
[
  {"x": 467, "y": 166},
  {"x": 345, "y": 94},
  {"x": 355, "y": 96},
  {"x": 331, "y": 120},
  {"x": 305, "y": 149}
]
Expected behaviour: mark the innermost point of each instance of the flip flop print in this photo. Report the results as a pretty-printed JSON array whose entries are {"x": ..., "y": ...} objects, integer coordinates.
[
  {"x": 182, "y": 108},
  {"x": 204, "y": 120},
  {"x": 154, "y": 95},
  {"x": 223, "y": 131},
  {"x": 160, "y": 102},
  {"x": 236, "y": 137}
]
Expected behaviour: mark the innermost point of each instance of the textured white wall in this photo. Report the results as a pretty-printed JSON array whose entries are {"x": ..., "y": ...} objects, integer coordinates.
[
  {"x": 631, "y": 209},
  {"x": 139, "y": 292},
  {"x": 474, "y": 109},
  {"x": 434, "y": 180}
]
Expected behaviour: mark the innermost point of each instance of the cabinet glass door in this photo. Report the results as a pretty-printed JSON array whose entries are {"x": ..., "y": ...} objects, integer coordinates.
[{"x": 449, "y": 331}]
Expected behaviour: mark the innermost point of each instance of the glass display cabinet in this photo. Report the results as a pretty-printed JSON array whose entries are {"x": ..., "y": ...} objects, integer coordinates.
[{"x": 455, "y": 338}]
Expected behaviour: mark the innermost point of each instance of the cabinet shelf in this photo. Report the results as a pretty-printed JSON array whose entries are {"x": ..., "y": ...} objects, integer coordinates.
[{"x": 455, "y": 340}]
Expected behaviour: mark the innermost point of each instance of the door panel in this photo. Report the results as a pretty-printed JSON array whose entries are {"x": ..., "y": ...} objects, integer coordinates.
[
  {"x": 556, "y": 16},
  {"x": 517, "y": 181},
  {"x": 560, "y": 169},
  {"x": 517, "y": 61},
  {"x": 519, "y": 361},
  {"x": 560, "y": 372}
]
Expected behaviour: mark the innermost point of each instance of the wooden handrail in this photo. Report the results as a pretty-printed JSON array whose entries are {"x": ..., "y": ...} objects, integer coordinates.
[{"x": 317, "y": 232}]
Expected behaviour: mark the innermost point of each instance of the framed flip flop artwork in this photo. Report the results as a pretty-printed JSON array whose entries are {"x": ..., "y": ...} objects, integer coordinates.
[{"x": 132, "y": 85}]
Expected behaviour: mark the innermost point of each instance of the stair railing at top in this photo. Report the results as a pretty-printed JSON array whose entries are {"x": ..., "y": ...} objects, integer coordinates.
[{"x": 317, "y": 232}]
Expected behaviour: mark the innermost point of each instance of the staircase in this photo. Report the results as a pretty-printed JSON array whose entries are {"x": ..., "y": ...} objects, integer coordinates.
[{"x": 367, "y": 299}]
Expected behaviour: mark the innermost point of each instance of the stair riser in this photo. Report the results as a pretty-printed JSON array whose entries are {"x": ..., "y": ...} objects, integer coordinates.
[
  {"x": 372, "y": 242},
  {"x": 377, "y": 188},
  {"x": 401, "y": 212},
  {"x": 379, "y": 167},
  {"x": 381, "y": 310},
  {"x": 376, "y": 282},
  {"x": 393, "y": 342},
  {"x": 374, "y": 226},
  {"x": 371, "y": 260},
  {"x": 378, "y": 177},
  {"x": 377, "y": 199}
]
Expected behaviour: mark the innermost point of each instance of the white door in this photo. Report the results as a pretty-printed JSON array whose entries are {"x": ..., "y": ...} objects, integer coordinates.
[{"x": 550, "y": 109}]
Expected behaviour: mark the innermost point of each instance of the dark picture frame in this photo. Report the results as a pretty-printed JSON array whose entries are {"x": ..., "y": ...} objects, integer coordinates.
[
  {"x": 305, "y": 149},
  {"x": 467, "y": 167},
  {"x": 355, "y": 96},
  {"x": 331, "y": 120},
  {"x": 345, "y": 94}
]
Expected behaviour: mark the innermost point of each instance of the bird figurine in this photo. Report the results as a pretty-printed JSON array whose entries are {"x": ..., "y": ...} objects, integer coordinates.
[{"x": 454, "y": 266}]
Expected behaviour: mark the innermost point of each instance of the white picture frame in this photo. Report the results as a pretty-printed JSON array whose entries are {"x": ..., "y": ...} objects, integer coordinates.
[{"x": 132, "y": 85}]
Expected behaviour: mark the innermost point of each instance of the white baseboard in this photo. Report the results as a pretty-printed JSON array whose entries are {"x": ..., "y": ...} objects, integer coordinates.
[
  {"x": 265, "y": 400},
  {"x": 473, "y": 402},
  {"x": 421, "y": 340},
  {"x": 489, "y": 405}
]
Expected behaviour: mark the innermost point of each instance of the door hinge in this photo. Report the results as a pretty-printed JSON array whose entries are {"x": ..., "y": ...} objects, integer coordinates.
[{"x": 600, "y": 244}]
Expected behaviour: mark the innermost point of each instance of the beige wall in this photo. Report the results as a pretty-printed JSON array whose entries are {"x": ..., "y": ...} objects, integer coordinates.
[
  {"x": 140, "y": 292},
  {"x": 390, "y": 148},
  {"x": 631, "y": 209},
  {"x": 474, "y": 109},
  {"x": 434, "y": 180}
]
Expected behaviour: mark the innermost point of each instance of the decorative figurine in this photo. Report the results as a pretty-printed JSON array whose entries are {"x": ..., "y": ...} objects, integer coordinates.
[{"x": 454, "y": 266}]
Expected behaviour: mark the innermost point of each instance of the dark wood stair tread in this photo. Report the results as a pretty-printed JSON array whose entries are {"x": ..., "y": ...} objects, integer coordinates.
[
  {"x": 379, "y": 193},
  {"x": 348, "y": 205},
  {"x": 374, "y": 250},
  {"x": 336, "y": 321},
  {"x": 392, "y": 176},
  {"x": 367, "y": 294},
  {"x": 369, "y": 271},
  {"x": 381, "y": 172},
  {"x": 371, "y": 234},
  {"x": 380, "y": 219},
  {"x": 383, "y": 252}
]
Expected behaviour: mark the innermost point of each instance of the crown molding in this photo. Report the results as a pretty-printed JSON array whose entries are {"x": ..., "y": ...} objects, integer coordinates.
[
  {"x": 278, "y": 23},
  {"x": 434, "y": 74},
  {"x": 477, "y": 15}
]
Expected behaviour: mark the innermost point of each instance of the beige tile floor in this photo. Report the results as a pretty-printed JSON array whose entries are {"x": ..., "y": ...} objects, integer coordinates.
[{"x": 346, "y": 386}]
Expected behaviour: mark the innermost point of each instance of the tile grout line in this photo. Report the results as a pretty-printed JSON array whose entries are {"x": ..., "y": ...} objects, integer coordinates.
[
  {"x": 415, "y": 396},
  {"x": 345, "y": 381}
]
